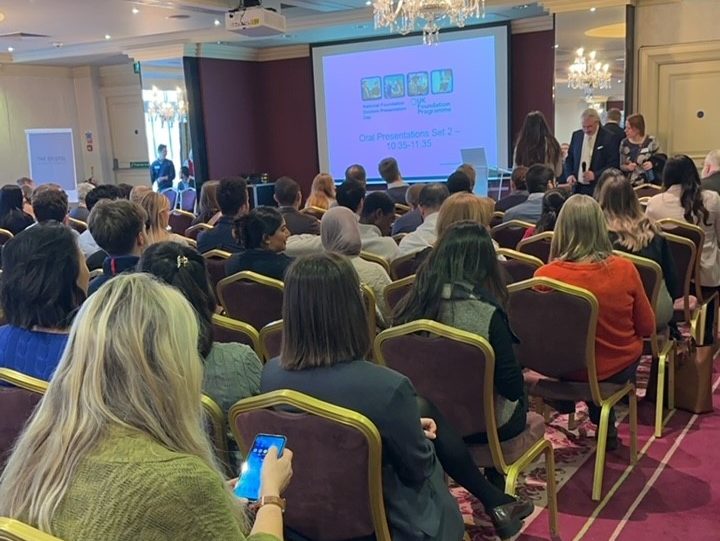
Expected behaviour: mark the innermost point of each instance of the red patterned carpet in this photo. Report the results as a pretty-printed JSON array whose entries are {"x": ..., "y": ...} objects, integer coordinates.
[{"x": 673, "y": 493}]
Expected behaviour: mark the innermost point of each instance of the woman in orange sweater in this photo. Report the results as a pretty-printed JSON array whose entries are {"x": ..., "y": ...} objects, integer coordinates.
[{"x": 582, "y": 255}]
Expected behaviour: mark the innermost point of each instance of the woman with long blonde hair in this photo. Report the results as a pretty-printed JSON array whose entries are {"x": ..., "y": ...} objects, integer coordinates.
[
  {"x": 157, "y": 208},
  {"x": 581, "y": 255},
  {"x": 117, "y": 448},
  {"x": 322, "y": 192}
]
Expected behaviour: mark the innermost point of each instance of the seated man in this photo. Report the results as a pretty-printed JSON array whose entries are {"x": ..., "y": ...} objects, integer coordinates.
[
  {"x": 459, "y": 182},
  {"x": 81, "y": 212},
  {"x": 378, "y": 215},
  {"x": 288, "y": 197},
  {"x": 50, "y": 202},
  {"x": 232, "y": 198},
  {"x": 88, "y": 246},
  {"x": 518, "y": 190},
  {"x": 432, "y": 197},
  {"x": 409, "y": 222},
  {"x": 119, "y": 228},
  {"x": 351, "y": 194},
  {"x": 356, "y": 173},
  {"x": 390, "y": 173},
  {"x": 539, "y": 179}
]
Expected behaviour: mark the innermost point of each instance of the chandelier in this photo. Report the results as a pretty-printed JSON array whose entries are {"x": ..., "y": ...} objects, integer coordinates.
[
  {"x": 165, "y": 108},
  {"x": 405, "y": 16},
  {"x": 587, "y": 74}
]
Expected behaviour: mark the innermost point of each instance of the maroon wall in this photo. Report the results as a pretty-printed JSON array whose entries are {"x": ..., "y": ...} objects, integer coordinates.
[{"x": 532, "y": 76}]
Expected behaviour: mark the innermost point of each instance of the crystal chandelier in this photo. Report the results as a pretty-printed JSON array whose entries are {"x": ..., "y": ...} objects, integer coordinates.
[
  {"x": 167, "y": 109},
  {"x": 587, "y": 74},
  {"x": 405, "y": 16}
]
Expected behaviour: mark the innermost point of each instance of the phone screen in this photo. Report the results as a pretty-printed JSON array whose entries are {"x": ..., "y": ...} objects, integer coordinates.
[{"x": 248, "y": 486}]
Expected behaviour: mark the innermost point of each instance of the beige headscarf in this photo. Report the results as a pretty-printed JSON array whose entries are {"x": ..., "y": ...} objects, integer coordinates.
[{"x": 339, "y": 232}]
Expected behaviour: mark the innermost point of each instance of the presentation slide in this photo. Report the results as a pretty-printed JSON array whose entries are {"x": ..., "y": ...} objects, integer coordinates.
[{"x": 423, "y": 105}]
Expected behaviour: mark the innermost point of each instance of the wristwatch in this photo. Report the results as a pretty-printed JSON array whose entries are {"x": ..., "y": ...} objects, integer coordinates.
[{"x": 272, "y": 500}]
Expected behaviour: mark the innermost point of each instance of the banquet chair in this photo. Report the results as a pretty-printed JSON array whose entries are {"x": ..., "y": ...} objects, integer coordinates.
[
  {"x": 187, "y": 200},
  {"x": 647, "y": 190},
  {"x": 367, "y": 256},
  {"x": 227, "y": 329},
  {"x": 251, "y": 297},
  {"x": 508, "y": 234},
  {"x": 215, "y": 260},
  {"x": 518, "y": 266},
  {"x": 497, "y": 218},
  {"x": 696, "y": 235},
  {"x": 537, "y": 245},
  {"x": 406, "y": 265},
  {"x": 271, "y": 340},
  {"x": 215, "y": 426},
  {"x": 14, "y": 530},
  {"x": 180, "y": 220},
  {"x": 396, "y": 290},
  {"x": 5, "y": 236},
  {"x": 193, "y": 232},
  {"x": 315, "y": 212},
  {"x": 172, "y": 196},
  {"x": 77, "y": 225}
]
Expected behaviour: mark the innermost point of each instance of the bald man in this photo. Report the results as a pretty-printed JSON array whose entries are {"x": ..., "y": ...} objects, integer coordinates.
[{"x": 711, "y": 171}]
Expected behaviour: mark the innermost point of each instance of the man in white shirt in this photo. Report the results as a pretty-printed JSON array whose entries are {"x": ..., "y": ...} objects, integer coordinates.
[
  {"x": 376, "y": 219},
  {"x": 432, "y": 197}
]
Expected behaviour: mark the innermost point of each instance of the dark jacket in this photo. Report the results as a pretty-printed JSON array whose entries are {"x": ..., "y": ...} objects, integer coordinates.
[
  {"x": 418, "y": 503},
  {"x": 299, "y": 223},
  {"x": 605, "y": 154},
  {"x": 712, "y": 182},
  {"x": 397, "y": 194},
  {"x": 616, "y": 131},
  {"x": 265, "y": 262},
  {"x": 16, "y": 221},
  {"x": 163, "y": 168},
  {"x": 112, "y": 266},
  {"x": 219, "y": 237},
  {"x": 407, "y": 223}
]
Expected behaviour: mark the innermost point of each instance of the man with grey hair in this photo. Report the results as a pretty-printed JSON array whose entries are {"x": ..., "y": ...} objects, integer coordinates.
[
  {"x": 592, "y": 150},
  {"x": 81, "y": 212},
  {"x": 711, "y": 171}
]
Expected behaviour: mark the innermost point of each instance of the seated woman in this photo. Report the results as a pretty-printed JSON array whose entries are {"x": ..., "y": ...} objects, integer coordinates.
[
  {"x": 324, "y": 346},
  {"x": 633, "y": 232},
  {"x": 120, "y": 432},
  {"x": 684, "y": 200},
  {"x": 263, "y": 235},
  {"x": 44, "y": 281},
  {"x": 340, "y": 233},
  {"x": 581, "y": 255},
  {"x": 157, "y": 208},
  {"x": 208, "y": 207},
  {"x": 322, "y": 192},
  {"x": 552, "y": 202},
  {"x": 232, "y": 371},
  {"x": 12, "y": 216},
  {"x": 637, "y": 151}
]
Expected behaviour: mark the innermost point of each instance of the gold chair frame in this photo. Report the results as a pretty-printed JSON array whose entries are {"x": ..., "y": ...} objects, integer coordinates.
[
  {"x": 401, "y": 209},
  {"x": 191, "y": 242},
  {"x": 95, "y": 273},
  {"x": 665, "y": 355},
  {"x": 647, "y": 186},
  {"x": 182, "y": 212},
  {"x": 395, "y": 263},
  {"x": 216, "y": 254},
  {"x": 215, "y": 415},
  {"x": 370, "y": 307},
  {"x": 509, "y": 253},
  {"x": 680, "y": 224},
  {"x": 367, "y": 256},
  {"x": 605, "y": 403},
  {"x": 312, "y": 209},
  {"x": 6, "y": 233},
  {"x": 14, "y": 530},
  {"x": 335, "y": 414},
  {"x": 541, "y": 447},
  {"x": 545, "y": 235},
  {"x": 202, "y": 227},
  {"x": 236, "y": 325},
  {"x": 245, "y": 275},
  {"x": 268, "y": 329},
  {"x": 498, "y": 214},
  {"x": 687, "y": 279},
  {"x": 23, "y": 381},
  {"x": 76, "y": 222},
  {"x": 511, "y": 224},
  {"x": 397, "y": 284}
]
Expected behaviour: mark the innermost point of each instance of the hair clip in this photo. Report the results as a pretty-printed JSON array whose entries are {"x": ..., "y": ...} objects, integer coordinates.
[{"x": 182, "y": 261}]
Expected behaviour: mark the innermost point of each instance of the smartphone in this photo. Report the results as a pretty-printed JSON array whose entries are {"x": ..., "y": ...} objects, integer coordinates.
[{"x": 248, "y": 486}]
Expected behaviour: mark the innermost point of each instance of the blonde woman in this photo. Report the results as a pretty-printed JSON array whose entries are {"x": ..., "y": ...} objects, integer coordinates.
[
  {"x": 157, "y": 208},
  {"x": 117, "y": 448},
  {"x": 633, "y": 232},
  {"x": 322, "y": 192},
  {"x": 581, "y": 254}
]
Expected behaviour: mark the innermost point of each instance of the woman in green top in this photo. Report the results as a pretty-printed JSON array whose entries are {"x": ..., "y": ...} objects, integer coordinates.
[{"x": 117, "y": 449}]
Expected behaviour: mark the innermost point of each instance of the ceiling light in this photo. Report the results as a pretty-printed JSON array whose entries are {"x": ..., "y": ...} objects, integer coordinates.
[
  {"x": 588, "y": 75},
  {"x": 135, "y": 11},
  {"x": 557, "y": 46},
  {"x": 592, "y": 10},
  {"x": 11, "y": 49},
  {"x": 217, "y": 22},
  {"x": 619, "y": 81},
  {"x": 108, "y": 36}
]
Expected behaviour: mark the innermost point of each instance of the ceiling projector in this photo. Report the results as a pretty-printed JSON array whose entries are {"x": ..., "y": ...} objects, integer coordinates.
[{"x": 255, "y": 22}]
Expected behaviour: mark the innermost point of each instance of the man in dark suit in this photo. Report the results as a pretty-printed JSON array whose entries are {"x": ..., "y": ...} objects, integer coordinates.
[
  {"x": 288, "y": 197},
  {"x": 592, "y": 150},
  {"x": 232, "y": 198},
  {"x": 711, "y": 171},
  {"x": 614, "y": 116}
]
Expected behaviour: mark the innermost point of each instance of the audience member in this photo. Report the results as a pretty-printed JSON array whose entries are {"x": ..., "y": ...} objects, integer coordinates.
[
  {"x": 351, "y": 195},
  {"x": 124, "y": 190},
  {"x": 376, "y": 220},
  {"x": 539, "y": 179},
  {"x": 232, "y": 198},
  {"x": 44, "y": 281},
  {"x": 27, "y": 185},
  {"x": 122, "y": 419},
  {"x": 324, "y": 346},
  {"x": 410, "y": 221},
  {"x": 633, "y": 232},
  {"x": 12, "y": 216},
  {"x": 612, "y": 124},
  {"x": 459, "y": 182},
  {"x": 356, "y": 173},
  {"x": 390, "y": 173},
  {"x": 137, "y": 193},
  {"x": 340, "y": 234},
  {"x": 461, "y": 207},
  {"x": 322, "y": 192},
  {"x": 231, "y": 371},
  {"x": 683, "y": 199},
  {"x": 50, "y": 203},
  {"x": 552, "y": 202},
  {"x": 469, "y": 170},
  {"x": 88, "y": 246},
  {"x": 186, "y": 181},
  {"x": 637, "y": 150},
  {"x": 711, "y": 171},
  {"x": 263, "y": 235},
  {"x": 432, "y": 197},
  {"x": 81, "y": 212},
  {"x": 537, "y": 145},
  {"x": 162, "y": 170},
  {"x": 119, "y": 229},
  {"x": 157, "y": 209},
  {"x": 518, "y": 190},
  {"x": 582, "y": 255},
  {"x": 288, "y": 197},
  {"x": 208, "y": 207},
  {"x": 591, "y": 152}
]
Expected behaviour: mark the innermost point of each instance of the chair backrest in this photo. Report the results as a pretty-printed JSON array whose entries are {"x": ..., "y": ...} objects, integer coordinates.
[
  {"x": 215, "y": 261},
  {"x": 684, "y": 255},
  {"x": 537, "y": 245},
  {"x": 497, "y": 218},
  {"x": 518, "y": 266},
  {"x": 693, "y": 233},
  {"x": 180, "y": 220},
  {"x": 194, "y": 231},
  {"x": 370, "y": 308},
  {"x": 5, "y": 236},
  {"x": 508, "y": 234},
  {"x": 271, "y": 340},
  {"x": 77, "y": 225},
  {"x": 187, "y": 199},
  {"x": 227, "y": 329},
  {"x": 95, "y": 273},
  {"x": 336, "y": 489},
  {"x": 555, "y": 324},
  {"x": 14, "y": 530},
  {"x": 406, "y": 265},
  {"x": 19, "y": 395},
  {"x": 172, "y": 197},
  {"x": 215, "y": 426},
  {"x": 396, "y": 290},
  {"x": 650, "y": 272},
  {"x": 401, "y": 209},
  {"x": 367, "y": 256},
  {"x": 647, "y": 190},
  {"x": 251, "y": 297},
  {"x": 315, "y": 212}
]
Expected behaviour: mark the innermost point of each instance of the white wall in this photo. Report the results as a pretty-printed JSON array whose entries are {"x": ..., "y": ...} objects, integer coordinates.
[{"x": 670, "y": 22}]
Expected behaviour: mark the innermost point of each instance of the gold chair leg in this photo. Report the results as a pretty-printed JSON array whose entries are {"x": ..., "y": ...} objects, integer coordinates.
[
  {"x": 671, "y": 378},
  {"x": 633, "y": 427},
  {"x": 572, "y": 422},
  {"x": 602, "y": 432},
  {"x": 660, "y": 397},
  {"x": 551, "y": 489},
  {"x": 511, "y": 478}
]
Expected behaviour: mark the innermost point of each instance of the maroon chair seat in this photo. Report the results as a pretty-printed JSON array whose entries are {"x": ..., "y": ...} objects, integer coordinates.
[
  {"x": 180, "y": 220},
  {"x": 508, "y": 234},
  {"x": 537, "y": 246},
  {"x": 252, "y": 298},
  {"x": 215, "y": 260},
  {"x": 518, "y": 266}
]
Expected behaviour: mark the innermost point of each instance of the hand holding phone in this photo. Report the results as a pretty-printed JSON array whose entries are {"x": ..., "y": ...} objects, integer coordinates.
[
  {"x": 273, "y": 475},
  {"x": 276, "y": 472}
]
